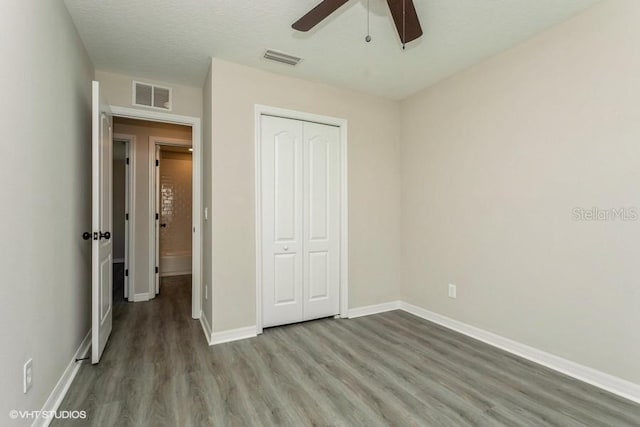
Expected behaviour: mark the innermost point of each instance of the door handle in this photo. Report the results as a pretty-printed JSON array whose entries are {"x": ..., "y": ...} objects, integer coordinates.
[
  {"x": 163, "y": 225},
  {"x": 105, "y": 236},
  {"x": 86, "y": 236},
  {"x": 286, "y": 248}
]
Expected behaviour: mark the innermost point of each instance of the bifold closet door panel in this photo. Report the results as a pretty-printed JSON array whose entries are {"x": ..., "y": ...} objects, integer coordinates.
[
  {"x": 282, "y": 222},
  {"x": 321, "y": 219}
]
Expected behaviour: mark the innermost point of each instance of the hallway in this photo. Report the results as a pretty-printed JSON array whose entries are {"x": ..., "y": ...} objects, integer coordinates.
[{"x": 152, "y": 355}]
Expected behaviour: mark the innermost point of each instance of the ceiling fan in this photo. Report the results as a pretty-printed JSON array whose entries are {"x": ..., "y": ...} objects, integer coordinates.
[{"x": 403, "y": 12}]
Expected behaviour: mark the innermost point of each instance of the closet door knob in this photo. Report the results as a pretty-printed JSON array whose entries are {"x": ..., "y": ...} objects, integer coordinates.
[
  {"x": 286, "y": 248},
  {"x": 86, "y": 235}
]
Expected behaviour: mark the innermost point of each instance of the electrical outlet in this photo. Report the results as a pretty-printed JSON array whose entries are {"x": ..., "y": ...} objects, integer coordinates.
[
  {"x": 27, "y": 375},
  {"x": 453, "y": 291}
]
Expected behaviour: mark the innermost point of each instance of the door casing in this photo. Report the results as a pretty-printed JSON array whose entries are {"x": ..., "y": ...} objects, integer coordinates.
[
  {"x": 130, "y": 208},
  {"x": 264, "y": 110}
]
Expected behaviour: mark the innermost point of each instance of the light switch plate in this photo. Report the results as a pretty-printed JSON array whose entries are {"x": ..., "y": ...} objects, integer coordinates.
[
  {"x": 27, "y": 375},
  {"x": 453, "y": 291}
]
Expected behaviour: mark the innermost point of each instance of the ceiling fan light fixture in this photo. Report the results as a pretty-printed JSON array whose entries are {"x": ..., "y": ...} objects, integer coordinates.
[
  {"x": 285, "y": 58},
  {"x": 405, "y": 18}
]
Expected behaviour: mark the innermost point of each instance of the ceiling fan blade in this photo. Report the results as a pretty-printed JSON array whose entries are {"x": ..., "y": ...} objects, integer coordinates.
[
  {"x": 317, "y": 14},
  {"x": 408, "y": 26}
]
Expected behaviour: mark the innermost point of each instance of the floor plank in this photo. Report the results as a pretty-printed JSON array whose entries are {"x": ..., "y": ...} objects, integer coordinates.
[{"x": 390, "y": 369}]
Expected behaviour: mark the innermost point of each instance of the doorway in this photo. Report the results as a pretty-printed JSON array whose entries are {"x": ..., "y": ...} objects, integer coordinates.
[
  {"x": 149, "y": 127},
  {"x": 171, "y": 192},
  {"x": 123, "y": 215},
  {"x": 301, "y": 217}
]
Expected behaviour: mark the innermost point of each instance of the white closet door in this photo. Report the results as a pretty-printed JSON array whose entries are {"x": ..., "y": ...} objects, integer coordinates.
[
  {"x": 321, "y": 246},
  {"x": 282, "y": 227}
]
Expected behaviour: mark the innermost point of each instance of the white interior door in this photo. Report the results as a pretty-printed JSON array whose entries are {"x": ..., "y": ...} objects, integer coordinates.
[
  {"x": 300, "y": 220},
  {"x": 321, "y": 221},
  {"x": 101, "y": 208},
  {"x": 282, "y": 193}
]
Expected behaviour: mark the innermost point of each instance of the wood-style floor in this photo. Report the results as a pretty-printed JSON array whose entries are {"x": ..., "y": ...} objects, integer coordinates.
[{"x": 391, "y": 369}]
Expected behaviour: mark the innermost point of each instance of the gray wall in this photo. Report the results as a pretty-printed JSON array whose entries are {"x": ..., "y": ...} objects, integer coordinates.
[
  {"x": 493, "y": 162},
  {"x": 45, "y": 170}
]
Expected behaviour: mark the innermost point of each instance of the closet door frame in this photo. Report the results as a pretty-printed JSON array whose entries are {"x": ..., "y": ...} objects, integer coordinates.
[{"x": 264, "y": 110}]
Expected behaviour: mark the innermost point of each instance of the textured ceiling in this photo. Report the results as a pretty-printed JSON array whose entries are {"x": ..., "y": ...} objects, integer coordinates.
[{"x": 172, "y": 40}]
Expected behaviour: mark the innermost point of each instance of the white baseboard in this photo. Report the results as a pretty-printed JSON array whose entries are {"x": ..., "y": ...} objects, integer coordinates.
[
  {"x": 607, "y": 382},
  {"x": 141, "y": 297},
  {"x": 233, "y": 335},
  {"x": 60, "y": 390},
  {"x": 206, "y": 328},
  {"x": 373, "y": 309},
  {"x": 175, "y": 273}
]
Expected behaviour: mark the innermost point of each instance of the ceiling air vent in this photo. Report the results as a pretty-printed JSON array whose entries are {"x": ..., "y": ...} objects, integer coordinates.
[
  {"x": 281, "y": 57},
  {"x": 154, "y": 96}
]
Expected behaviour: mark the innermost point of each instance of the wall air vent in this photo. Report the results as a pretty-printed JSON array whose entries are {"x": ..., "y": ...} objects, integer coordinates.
[
  {"x": 153, "y": 96},
  {"x": 282, "y": 57}
]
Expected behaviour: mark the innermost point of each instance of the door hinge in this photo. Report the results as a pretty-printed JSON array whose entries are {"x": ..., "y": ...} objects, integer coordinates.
[
  {"x": 127, "y": 160},
  {"x": 157, "y": 162},
  {"x": 157, "y": 270},
  {"x": 157, "y": 216},
  {"x": 126, "y": 272},
  {"x": 126, "y": 217}
]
